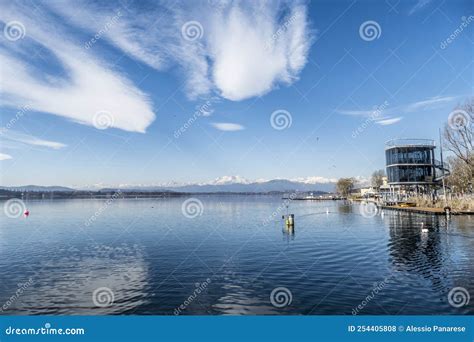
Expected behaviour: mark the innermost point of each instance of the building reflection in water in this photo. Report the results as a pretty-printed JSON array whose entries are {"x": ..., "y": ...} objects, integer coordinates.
[{"x": 417, "y": 245}]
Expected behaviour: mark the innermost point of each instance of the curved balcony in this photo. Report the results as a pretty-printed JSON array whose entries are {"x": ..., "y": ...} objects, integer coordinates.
[{"x": 441, "y": 170}]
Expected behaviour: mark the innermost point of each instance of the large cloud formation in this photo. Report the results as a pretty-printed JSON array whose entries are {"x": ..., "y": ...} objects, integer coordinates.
[
  {"x": 85, "y": 87},
  {"x": 241, "y": 50}
]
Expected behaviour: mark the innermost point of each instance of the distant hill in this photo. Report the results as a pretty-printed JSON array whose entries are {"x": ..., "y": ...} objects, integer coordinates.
[
  {"x": 280, "y": 185},
  {"x": 231, "y": 184},
  {"x": 235, "y": 186},
  {"x": 37, "y": 188}
]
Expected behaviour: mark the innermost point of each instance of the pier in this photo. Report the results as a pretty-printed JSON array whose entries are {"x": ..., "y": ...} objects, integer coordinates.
[{"x": 425, "y": 210}]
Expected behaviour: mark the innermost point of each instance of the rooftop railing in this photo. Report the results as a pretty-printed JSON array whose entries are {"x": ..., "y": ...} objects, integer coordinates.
[{"x": 410, "y": 143}]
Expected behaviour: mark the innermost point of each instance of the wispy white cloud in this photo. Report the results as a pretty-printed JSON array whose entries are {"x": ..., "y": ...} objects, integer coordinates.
[
  {"x": 358, "y": 112},
  {"x": 4, "y": 156},
  {"x": 137, "y": 33},
  {"x": 227, "y": 126},
  {"x": 387, "y": 122},
  {"x": 88, "y": 85},
  {"x": 418, "y": 106},
  {"x": 420, "y": 4},
  {"x": 385, "y": 116},
  {"x": 22, "y": 138},
  {"x": 431, "y": 103},
  {"x": 246, "y": 49}
]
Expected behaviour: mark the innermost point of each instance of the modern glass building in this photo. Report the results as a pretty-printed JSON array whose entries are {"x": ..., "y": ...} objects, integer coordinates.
[{"x": 412, "y": 162}]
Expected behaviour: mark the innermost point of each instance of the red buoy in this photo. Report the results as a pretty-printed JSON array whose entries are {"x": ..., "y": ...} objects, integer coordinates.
[{"x": 26, "y": 213}]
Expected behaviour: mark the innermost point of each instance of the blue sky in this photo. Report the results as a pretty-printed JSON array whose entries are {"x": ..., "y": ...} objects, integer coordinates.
[{"x": 141, "y": 93}]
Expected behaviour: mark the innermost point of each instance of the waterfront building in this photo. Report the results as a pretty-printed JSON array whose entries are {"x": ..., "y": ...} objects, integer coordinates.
[{"x": 412, "y": 165}]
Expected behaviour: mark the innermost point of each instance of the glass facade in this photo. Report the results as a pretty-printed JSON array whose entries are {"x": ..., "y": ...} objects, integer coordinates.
[
  {"x": 409, "y": 155},
  {"x": 410, "y": 164},
  {"x": 410, "y": 174}
]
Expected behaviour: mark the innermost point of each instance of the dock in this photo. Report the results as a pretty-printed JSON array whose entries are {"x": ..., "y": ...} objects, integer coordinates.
[
  {"x": 314, "y": 198},
  {"x": 425, "y": 210}
]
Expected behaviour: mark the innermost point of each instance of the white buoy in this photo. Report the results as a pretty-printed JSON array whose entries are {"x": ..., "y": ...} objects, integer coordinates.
[
  {"x": 327, "y": 211},
  {"x": 424, "y": 230}
]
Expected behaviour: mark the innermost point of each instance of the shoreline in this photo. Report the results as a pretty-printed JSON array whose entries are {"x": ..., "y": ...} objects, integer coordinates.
[
  {"x": 123, "y": 194},
  {"x": 425, "y": 210}
]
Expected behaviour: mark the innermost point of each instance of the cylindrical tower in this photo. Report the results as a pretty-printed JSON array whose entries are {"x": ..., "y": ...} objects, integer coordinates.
[{"x": 410, "y": 162}]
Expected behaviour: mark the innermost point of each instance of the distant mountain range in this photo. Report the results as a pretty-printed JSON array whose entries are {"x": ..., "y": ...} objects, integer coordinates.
[
  {"x": 281, "y": 185},
  {"x": 36, "y": 188},
  {"x": 222, "y": 184}
]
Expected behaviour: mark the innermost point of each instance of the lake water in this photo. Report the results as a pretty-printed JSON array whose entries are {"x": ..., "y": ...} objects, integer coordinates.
[{"x": 148, "y": 256}]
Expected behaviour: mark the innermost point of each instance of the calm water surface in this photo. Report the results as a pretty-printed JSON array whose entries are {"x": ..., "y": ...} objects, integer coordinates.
[{"x": 153, "y": 258}]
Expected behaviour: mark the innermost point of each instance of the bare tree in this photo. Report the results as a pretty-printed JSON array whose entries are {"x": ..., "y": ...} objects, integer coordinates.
[
  {"x": 458, "y": 133},
  {"x": 345, "y": 185},
  {"x": 460, "y": 178},
  {"x": 377, "y": 178}
]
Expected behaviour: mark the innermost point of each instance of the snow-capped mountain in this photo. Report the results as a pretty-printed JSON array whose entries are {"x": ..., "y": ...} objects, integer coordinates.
[
  {"x": 225, "y": 180},
  {"x": 220, "y": 184},
  {"x": 314, "y": 180},
  {"x": 241, "y": 184}
]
